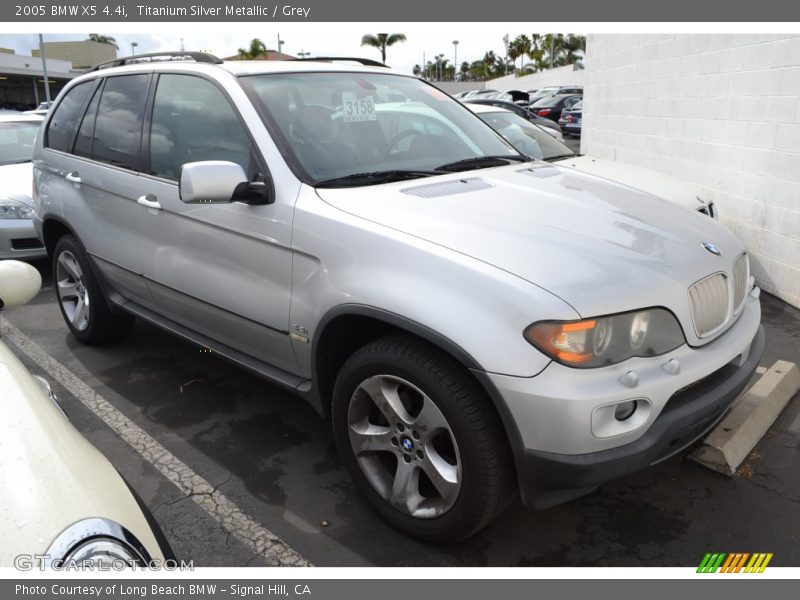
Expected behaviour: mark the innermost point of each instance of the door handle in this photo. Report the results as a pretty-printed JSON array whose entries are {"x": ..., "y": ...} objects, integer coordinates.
[
  {"x": 73, "y": 177},
  {"x": 149, "y": 201}
]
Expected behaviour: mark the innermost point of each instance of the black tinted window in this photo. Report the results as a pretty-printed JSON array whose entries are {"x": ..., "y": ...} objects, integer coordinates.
[
  {"x": 61, "y": 126},
  {"x": 83, "y": 143},
  {"x": 118, "y": 127},
  {"x": 193, "y": 121}
]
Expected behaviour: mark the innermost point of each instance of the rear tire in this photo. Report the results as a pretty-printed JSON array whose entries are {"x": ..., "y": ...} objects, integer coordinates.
[
  {"x": 80, "y": 298},
  {"x": 420, "y": 440}
]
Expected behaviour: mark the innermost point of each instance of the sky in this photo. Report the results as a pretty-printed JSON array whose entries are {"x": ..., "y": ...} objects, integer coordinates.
[{"x": 321, "y": 39}]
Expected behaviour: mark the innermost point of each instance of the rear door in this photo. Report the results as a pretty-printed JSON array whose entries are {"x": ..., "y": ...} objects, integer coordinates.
[{"x": 97, "y": 172}]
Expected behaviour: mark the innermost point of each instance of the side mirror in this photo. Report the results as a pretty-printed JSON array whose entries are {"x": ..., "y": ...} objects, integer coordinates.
[
  {"x": 19, "y": 283},
  {"x": 220, "y": 182}
]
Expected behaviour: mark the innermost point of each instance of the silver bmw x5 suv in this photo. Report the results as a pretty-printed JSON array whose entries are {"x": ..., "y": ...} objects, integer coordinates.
[{"x": 473, "y": 323}]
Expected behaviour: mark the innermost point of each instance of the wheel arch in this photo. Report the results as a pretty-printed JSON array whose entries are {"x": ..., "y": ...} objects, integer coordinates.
[
  {"x": 346, "y": 328},
  {"x": 53, "y": 229}
]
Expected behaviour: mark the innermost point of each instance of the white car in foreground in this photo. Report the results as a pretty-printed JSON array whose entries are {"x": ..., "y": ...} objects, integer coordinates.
[
  {"x": 536, "y": 143},
  {"x": 17, "y": 237},
  {"x": 61, "y": 498}
]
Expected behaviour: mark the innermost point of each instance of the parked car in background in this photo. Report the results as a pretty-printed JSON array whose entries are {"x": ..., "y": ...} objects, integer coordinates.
[
  {"x": 519, "y": 97},
  {"x": 550, "y": 126},
  {"x": 60, "y": 496},
  {"x": 535, "y": 143},
  {"x": 571, "y": 119},
  {"x": 554, "y": 90},
  {"x": 551, "y": 107},
  {"x": 17, "y": 236}
]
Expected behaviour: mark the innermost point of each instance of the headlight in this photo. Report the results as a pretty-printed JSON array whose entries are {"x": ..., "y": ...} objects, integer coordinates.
[
  {"x": 13, "y": 209},
  {"x": 98, "y": 542},
  {"x": 608, "y": 340}
]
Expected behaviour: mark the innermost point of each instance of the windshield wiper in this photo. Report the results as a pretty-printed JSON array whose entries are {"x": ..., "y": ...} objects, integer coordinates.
[
  {"x": 559, "y": 157},
  {"x": 374, "y": 177},
  {"x": 482, "y": 162}
]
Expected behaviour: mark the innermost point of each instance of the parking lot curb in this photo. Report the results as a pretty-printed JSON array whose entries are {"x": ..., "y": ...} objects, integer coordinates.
[{"x": 724, "y": 449}]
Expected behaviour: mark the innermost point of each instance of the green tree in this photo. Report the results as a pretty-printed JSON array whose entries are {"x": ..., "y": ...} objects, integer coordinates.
[
  {"x": 489, "y": 64},
  {"x": 519, "y": 47},
  {"x": 464, "y": 70},
  {"x": 574, "y": 48},
  {"x": 103, "y": 39},
  {"x": 257, "y": 48},
  {"x": 381, "y": 41}
]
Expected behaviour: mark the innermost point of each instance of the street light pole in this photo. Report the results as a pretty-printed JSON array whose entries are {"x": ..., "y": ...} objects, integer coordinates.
[
  {"x": 455, "y": 59},
  {"x": 280, "y": 43},
  {"x": 44, "y": 70},
  {"x": 133, "y": 48}
]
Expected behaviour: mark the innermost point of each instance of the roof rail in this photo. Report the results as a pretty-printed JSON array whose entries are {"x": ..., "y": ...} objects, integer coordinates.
[
  {"x": 368, "y": 62},
  {"x": 201, "y": 57}
]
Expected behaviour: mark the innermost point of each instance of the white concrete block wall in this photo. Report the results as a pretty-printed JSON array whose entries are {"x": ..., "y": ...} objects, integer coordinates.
[{"x": 722, "y": 111}]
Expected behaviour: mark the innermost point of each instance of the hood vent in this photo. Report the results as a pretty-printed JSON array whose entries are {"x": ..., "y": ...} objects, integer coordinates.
[{"x": 448, "y": 188}]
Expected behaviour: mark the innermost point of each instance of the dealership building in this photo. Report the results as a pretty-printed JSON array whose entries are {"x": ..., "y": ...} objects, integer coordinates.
[{"x": 22, "y": 76}]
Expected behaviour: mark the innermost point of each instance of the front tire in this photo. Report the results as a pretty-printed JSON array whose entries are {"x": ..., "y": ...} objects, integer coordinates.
[
  {"x": 80, "y": 298},
  {"x": 420, "y": 440}
]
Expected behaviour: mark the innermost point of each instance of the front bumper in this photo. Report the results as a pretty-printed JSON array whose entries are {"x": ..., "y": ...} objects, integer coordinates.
[
  {"x": 566, "y": 438},
  {"x": 18, "y": 240},
  {"x": 547, "y": 479}
]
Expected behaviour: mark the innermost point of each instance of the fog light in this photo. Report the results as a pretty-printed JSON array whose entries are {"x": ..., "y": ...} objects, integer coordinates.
[{"x": 625, "y": 410}]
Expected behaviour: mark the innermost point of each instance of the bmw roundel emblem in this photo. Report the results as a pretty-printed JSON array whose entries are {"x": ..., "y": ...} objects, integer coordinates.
[
  {"x": 712, "y": 248},
  {"x": 408, "y": 445}
]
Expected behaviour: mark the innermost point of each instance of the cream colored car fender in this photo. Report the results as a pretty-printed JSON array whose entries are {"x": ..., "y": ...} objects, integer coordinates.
[{"x": 52, "y": 477}]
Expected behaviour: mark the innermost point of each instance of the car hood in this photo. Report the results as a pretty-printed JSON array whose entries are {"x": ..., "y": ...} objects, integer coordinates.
[
  {"x": 664, "y": 186},
  {"x": 52, "y": 476},
  {"x": 17, "y": 182},
  {"x": 601, "y": 247}
]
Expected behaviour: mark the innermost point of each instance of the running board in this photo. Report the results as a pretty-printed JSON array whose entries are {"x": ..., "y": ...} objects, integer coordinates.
[{"x": 278, "y": 376}]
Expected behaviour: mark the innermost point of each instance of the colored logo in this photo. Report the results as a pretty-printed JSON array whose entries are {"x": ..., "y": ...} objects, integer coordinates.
[
  {"x": 712, "y": 248},
  {"x": 408, "y": 445},
  {"x": 734, "y": 563}
]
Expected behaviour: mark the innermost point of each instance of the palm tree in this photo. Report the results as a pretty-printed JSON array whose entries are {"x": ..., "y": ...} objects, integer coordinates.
[
  {"x": 553, "y": 44},
  {"x": 381, "y": 41},
  {"x": 489, "y": 64},
  {"x": 257, "y": 48},
  {"x": 103, "y": 39},
  {"x": 519, "y": 47},
  {"x": 536, "y": 54},
  {"x": 574, "y": 47},
  {"x": 464, "y": 70}
]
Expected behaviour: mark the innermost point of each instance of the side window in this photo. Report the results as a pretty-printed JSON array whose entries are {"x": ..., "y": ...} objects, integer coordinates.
[
  {"x": 118, "y": 127},
  {"x": 193, "y": 121},
  {"x": 62, "y": 124},
  {"x": 83, "y": 143}
]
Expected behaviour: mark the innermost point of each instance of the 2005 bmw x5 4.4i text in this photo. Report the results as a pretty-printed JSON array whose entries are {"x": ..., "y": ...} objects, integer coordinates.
[{"x": 474, "y": 324}]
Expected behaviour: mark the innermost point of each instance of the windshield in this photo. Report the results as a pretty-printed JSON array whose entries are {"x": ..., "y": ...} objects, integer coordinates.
[
  {"x": 526, "y": 137},
  {"x": 339, "y": 125},
  {"x": 16, "y": 141}
]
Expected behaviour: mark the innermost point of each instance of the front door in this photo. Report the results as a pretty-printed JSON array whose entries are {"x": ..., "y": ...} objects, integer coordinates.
[{"x": 222, "y": 270}]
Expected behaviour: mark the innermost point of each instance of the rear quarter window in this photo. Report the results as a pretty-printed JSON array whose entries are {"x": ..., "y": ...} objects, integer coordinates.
[{"x": 62, "y": 124}]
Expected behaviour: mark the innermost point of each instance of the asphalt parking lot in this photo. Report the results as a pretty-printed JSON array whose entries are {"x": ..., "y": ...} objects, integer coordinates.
[{"x": 273, "y": 457}]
